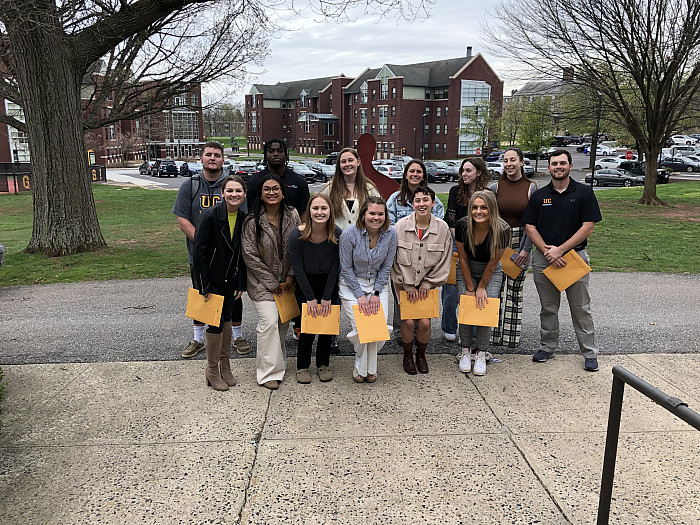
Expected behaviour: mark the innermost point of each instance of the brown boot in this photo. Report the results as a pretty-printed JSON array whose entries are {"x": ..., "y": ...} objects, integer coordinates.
[
  {"x": 421, "y": 363},
  {"x": 408, "y": 365},
  {"x": 225, "y": 363},
  {"x": 213, "y": 349}
]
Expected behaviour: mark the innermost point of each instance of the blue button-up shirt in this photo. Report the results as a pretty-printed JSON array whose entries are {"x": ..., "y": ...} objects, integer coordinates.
[{"x": 357, "y": 260}]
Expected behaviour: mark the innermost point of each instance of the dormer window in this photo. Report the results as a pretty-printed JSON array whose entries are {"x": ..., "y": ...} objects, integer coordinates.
[{"x": 363, "y": 93}]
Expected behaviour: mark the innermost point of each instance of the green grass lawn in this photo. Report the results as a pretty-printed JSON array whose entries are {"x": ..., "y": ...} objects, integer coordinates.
[{"x": 144, "y": 240}]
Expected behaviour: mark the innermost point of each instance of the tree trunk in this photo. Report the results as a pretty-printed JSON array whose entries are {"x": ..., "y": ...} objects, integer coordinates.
[
  {"x": 65, "y": 219},
  {"x": 649, "y": 196}
]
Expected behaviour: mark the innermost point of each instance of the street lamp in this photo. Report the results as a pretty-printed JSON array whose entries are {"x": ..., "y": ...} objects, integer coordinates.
[
  {"x": 422, "y": 146},
  {"x": 414, "y": 141}
]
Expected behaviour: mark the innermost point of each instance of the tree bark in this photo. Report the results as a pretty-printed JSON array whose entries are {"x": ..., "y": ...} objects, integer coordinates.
[
  {"x": 649, "y": 195},
  {"x": 65, "y": 218}
]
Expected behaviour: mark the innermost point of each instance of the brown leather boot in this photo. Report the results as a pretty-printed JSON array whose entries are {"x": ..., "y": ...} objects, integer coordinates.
[
  {"x": 225, "y": 363},
  {"x": 213, "y": 349},
  {"x": 421, "y": 363},
  {"x": 408, "y": 365}
]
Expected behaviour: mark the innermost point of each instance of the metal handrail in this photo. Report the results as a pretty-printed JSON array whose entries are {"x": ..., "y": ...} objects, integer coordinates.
[{"x": 672, "y": 404}]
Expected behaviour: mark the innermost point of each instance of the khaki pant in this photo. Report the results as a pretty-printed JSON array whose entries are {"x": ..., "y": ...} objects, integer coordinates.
[{"x": 271, "y": 361}]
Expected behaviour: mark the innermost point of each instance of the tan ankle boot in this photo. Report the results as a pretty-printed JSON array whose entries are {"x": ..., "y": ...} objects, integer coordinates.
[
  {"x": 225, "y": 363},
  {"x": 213, "y": 349}
]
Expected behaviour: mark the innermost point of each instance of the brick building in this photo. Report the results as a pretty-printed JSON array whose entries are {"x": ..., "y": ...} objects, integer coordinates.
[{"x": 402, "y": 106}]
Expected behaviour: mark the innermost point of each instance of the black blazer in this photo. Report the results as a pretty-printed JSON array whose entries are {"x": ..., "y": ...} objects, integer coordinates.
[{"x": 217, "y": 261}]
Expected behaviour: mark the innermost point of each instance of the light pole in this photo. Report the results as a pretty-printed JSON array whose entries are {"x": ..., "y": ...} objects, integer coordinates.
[
  {"x": 422, "y": 146},
  {"x": 414, "y": 142}
]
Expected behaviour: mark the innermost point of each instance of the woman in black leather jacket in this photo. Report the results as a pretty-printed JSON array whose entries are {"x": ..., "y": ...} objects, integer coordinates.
[{"x": 219, "y": 269}]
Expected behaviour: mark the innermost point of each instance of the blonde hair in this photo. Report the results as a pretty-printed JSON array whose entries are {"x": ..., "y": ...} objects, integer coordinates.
[
  {"x": 338, "y": 191},
  {"x": 330, "y": 224},
  {"x": 499, "y": 231}
]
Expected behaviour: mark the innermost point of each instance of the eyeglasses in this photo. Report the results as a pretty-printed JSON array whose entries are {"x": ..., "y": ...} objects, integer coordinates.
[{"x": 275, "y": 189}]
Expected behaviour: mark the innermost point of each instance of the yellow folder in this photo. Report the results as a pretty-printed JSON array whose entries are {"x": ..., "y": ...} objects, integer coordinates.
[
  {"x": 208, "y": 312},
  {"x": 471, "y": 315},
  {"x": 421, "y": 309},
  {"x": 329, "y": 325},
  {"x": 287, "y": 305},
  {"x": 371, "y": 328},
  {"x": 452, "y": 278},
  {"x": 564, "y": 277},
  {"x": 511, "y": 269}
]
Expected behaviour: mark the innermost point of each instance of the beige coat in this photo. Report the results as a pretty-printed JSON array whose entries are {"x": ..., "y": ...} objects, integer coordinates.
[
  {"x": 350, "y": 215},
  {"x": 265, "y": 269},
  {"x": 425, "y": 261}
]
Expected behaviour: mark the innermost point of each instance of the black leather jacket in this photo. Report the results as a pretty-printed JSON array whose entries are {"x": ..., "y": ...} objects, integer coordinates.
[{"x": 217, "y": 260}]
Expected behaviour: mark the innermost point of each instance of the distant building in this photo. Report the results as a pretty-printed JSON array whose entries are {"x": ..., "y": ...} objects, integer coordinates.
[{"x": 405, "y": 107}]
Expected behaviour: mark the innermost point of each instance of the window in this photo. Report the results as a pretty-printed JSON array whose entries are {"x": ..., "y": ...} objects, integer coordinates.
[
  {"x": 180, "y": 100},
  {"x": 440, "y": 94},
  {"x": 437, "y": 111},
  {"x": 444, "y": 148},
  {"x": 393, "y": 129},
  {"x": 355, "y": 98},
  {"x": 393, "y": 111},
  {"x": 355, "y": 128},
  {"x": 393, "y": 92},
  {"x": 331, "y": 102},
  {"x": 383, "y": 111},
  {"x": 437, "y": 129},
  {"x": 427, "y": 94},
  {"x": 374, "y": 129},
  {"x": 427, "y": 110},
  {"x": 328, "y": 128},
  {"x": 363, "y": 93},
  {"x": 374, "y": 94},
  {"x": 391, "y": 147},
  {"x": 193, "y": 99},
  {"x": 386, "y": 147},
  {"x": 437, "y": 148},
  {"x": 307, "y": 124},
  {"x": 385, "y": 92},
  {"x": 427, "y": 129},
  {"x": 445, "y": 129},
  {"x": 445, "y": 111},
  {"x": 374, "y": 112},
  {"x": 363, "y": 121},
  {"x": 355, "y": 113}
]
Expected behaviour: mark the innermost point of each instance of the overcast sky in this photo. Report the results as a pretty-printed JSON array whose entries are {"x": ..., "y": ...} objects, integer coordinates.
[{"x": 331, "y": 48}]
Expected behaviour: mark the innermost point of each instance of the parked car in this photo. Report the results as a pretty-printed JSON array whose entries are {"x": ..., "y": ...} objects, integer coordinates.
[
  {"x": 146, "y": 167},
  {"x": 679, "y": 164},
  {"x": 683, "y": 139},
  {"x": 608, "y": 162},
  {"x": 322, "y": 171},
  {"x": 528, "y": 170},
  {"x": 601, "y": 150},
  {"x": 328, "y": 171},
  {"x": 531, "y": 155},
  {"x": 184, "y": 168},
  {"x": 401, "y": 159},
  {"x": 230, "y": 166},
  {"x": 302, "y": 170},
  {"x": 332, "y": 158},
  {"x": 453, "y": 169},
  {"x": 436, "y": 173},
  {"x": 611, "y": 177},
  {"x": 245, "y": 170},
  {"x": 639, "y": 169},
  {"x": 494, "y": 156},
  {"x": 583, "y": 146},
  {"x": 195, "y": 168},
  {"x": 165, "y": 167},
  {"x": 390, "y": 171},
  {"x": 561, "y": 141},
  {"x": 496, "y": 169},
  {"x": 683, "y": 151}
]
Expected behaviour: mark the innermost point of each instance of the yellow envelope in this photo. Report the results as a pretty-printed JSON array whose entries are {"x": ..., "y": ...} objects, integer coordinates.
[
  {"x": 208, "y": 312},
  {"x": 371, "y": 328},
  {"x": 511, "y": 269},
  {"x": 564, "y": 277},
  {"x": 425, "y": 309},
  {"x": 329, "y": 325},
  {"x": 452, "y": 278},
  {"x": 471, "y": 315},
  {"x": 287, "y": 305}
]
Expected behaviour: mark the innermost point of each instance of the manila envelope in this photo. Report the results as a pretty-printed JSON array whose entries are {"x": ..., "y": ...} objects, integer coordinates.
[
  {"x": 371, "y": 328},
  {"x": 329, "y": 325},
  {"x": 511, "y": 269},
  {"x": 208, "y": 312},
  {"x": 287, "y": 305},
  {"x": 471, "y": 315},
  {"x": 452, "y": 278},
  {"x": 564, "y": 277},
  {"x": 426, "y": 309}
]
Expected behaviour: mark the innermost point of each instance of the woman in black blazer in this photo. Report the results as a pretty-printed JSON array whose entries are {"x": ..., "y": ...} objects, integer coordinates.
[{"x": 219, "y": 269}]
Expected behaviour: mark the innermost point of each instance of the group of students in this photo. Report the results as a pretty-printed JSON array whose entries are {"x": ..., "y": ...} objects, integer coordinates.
[{"x": 350, "y": 247}]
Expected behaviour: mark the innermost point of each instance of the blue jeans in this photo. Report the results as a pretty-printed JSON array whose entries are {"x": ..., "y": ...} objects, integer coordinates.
[{"x": 450, "y": 303}]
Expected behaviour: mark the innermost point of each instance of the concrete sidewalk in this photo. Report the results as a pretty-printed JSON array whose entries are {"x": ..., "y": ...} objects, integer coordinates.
[{"x": 147, "y": 442}]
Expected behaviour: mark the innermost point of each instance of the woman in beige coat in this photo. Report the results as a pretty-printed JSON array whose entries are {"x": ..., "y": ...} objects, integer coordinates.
[
  {"x": 423, "y": 257},
  {"x": 265, "y": 234}
]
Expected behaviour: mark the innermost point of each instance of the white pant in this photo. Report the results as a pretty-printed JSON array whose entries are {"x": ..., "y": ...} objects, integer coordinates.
[
  {"x": 365, "y": 354},
  {"x": 271, "y": 361}
]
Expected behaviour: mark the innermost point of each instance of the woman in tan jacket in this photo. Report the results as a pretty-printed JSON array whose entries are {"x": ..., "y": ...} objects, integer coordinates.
[
  {"x": 265, "y": 234},
  {"x": 422, "y": 262}
]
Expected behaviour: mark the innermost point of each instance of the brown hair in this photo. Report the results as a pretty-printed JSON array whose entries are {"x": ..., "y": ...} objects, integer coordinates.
[
  {"x": 339, "y": 191},
  {"x": 481, "y": 181},
  {"x": 330, "y": 224},
  {"x": 372, "y": 199},
  {"x": 498, "y": 228},
  {"x": 213, "y": 144},
  {"x": 233, "y": 178},
  {"x": 404, "y": 191}
]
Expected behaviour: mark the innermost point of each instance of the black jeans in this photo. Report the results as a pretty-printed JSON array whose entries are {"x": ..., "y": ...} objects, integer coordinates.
[{"x": 306, "y": 341}]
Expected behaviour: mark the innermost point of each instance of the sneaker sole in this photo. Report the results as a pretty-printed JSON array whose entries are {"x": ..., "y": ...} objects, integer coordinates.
[{"x": 543, "y": 360}]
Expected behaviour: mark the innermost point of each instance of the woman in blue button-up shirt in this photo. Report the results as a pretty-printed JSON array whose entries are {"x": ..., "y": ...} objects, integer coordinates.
[{"x": 367, "y": 251}]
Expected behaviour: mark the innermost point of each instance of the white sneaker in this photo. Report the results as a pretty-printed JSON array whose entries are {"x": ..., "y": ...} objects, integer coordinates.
[
  {"x": 480, "y": 363},
  {"x": 465, "y": 362},
  {"x": 450, "y": 337}
]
